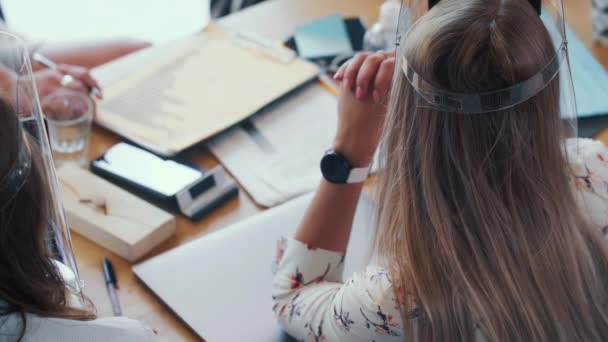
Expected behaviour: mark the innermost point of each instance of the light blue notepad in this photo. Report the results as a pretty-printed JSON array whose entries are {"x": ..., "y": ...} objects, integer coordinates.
[
  {"x": 589, "y": 77},
  {"x": 325, "y": 37}
]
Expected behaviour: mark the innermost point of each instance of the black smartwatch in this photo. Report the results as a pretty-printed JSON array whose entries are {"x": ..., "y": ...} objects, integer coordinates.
[{"x": 336, "y": 169}]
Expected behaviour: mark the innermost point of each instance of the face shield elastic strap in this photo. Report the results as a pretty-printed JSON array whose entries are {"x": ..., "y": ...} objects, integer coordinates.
[
  {"x": 485, "y": 102},
  {"x": 17, "y": 174},
  {"x": 535, "y": 3}
]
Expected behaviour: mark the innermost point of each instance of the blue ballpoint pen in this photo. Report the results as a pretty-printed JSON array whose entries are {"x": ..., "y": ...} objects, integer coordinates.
[{"x": 111, "y": 284}]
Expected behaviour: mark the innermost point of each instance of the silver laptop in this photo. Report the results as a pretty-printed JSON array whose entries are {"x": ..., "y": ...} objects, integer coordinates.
[{"x": 220, "y": 285}]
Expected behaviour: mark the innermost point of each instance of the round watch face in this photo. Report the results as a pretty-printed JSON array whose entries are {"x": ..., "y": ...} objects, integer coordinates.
[{"x": 335, "y": 168}]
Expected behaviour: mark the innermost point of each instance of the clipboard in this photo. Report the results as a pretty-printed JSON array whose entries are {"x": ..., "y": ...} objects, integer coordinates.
[{"x": 171, "y": 97}]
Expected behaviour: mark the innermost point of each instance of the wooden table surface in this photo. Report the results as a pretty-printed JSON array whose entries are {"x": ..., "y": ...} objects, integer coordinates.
[{"x": 275, "y": 19}]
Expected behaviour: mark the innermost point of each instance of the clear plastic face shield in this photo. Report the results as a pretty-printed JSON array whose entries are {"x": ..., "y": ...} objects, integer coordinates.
[
  {"x": 416, "y": 14},
  {"x": 33, "y": 158}
]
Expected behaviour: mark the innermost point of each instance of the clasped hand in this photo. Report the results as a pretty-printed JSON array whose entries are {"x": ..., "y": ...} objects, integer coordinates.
[{"x": 365, "y": 82}]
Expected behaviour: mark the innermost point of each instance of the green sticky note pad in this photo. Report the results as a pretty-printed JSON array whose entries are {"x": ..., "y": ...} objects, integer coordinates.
[{"x": 325, "y": 37}]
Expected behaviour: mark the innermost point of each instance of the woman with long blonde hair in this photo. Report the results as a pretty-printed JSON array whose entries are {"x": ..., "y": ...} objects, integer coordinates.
[{"x": 490, "y": 222}]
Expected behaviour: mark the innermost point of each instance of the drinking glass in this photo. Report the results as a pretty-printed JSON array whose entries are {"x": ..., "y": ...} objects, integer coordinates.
[{"x": 69, "y": 116}]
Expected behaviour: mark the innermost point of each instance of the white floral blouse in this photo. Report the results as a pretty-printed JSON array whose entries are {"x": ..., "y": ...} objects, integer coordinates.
[{"x": 313, "y": 304}]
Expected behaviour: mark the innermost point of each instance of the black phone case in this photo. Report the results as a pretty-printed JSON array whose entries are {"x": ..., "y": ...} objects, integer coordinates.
[{"x": 168, "y": 203}]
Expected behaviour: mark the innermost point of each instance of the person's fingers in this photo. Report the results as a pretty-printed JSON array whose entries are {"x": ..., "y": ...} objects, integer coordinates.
[
  {"x": 366, "y": 74},
  {"x": 47, "y": 82},
  {"x": 79, "y": 86},
  {"x": 339, "y": 76},
  {"x": 92, "y": 84},
  {"x": 54, "y": 78},
  {"x": 94, "y": 109},
  {"x": 350, "y": 74},
  {"x": 384, "y": 79},
  {"x": 80, "y": 73},
  {"x": 69, "y": 69},
  {"x": 86, "y": 77}
]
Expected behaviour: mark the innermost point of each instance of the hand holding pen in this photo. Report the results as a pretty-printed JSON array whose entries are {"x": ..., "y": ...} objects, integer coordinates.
[{"x": 60, "y": 75}]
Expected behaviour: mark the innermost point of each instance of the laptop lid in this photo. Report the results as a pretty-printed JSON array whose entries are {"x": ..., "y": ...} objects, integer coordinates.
[{"x": 220, "y": 284}]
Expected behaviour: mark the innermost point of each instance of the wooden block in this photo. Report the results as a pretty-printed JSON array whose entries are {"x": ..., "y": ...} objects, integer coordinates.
[{"x": 110, "y": 216}]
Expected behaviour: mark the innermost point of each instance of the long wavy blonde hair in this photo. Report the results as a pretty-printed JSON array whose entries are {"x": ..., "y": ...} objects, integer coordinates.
[{"x": 477, "y": 216}]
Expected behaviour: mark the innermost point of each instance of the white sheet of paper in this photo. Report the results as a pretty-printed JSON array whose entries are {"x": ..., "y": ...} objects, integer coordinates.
[
  {"x": 69, "y": 20},
  {"x": 284, "y": 162},
  {"x": 117, "y": 70}
]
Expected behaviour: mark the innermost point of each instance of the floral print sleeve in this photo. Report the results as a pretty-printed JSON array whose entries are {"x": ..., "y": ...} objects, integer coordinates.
[
  {"x": 589, "y": 162},
  {"x": 313, "y": 304}
]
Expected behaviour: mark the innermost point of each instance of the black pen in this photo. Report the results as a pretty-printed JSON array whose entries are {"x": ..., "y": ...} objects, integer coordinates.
[
  {"x": 49, "y": 64},
  {"x": 111, "y": 284}
]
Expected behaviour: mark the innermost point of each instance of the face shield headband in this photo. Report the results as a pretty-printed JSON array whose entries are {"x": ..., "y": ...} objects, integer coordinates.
[{"x": 491, "y": 101}]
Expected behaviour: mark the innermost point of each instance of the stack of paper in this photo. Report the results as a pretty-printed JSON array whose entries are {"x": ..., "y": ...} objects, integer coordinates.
[{"x": 276, "y": 156}]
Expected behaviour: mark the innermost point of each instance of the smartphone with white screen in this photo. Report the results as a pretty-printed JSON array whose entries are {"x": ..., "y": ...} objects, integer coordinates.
[
  {"x": 147, "y": 170},
  {"x": 167, "y": 182}
]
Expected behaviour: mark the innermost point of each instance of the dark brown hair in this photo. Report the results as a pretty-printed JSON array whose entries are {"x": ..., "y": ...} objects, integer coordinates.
[
  {"x": 478, "y": 220},
  {"x": 29, "y": 280}
]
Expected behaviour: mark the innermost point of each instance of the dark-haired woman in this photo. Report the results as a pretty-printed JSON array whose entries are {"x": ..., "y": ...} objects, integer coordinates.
[{"x": 40, "y": 294}]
